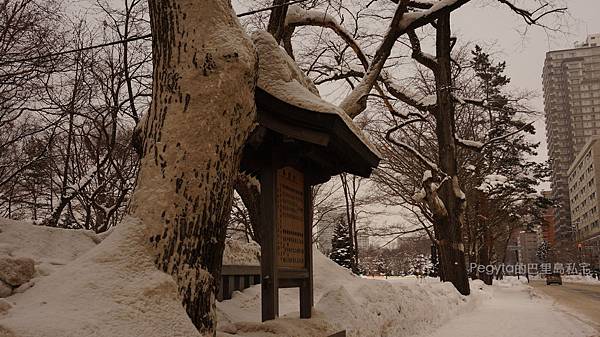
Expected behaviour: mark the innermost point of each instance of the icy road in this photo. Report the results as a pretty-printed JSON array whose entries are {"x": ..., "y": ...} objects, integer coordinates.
[{"x": 581, "y": 300}]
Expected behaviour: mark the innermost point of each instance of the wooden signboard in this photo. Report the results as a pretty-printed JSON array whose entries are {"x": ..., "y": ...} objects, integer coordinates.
[
  {"x": 290, "y": 218},
  {"x": 286, "y": 248}
]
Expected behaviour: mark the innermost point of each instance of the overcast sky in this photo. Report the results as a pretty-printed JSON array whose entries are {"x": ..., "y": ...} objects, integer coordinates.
[{"x": 525, "y": 54}]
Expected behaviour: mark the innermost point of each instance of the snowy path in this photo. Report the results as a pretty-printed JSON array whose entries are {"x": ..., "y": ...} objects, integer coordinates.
[{"x": 514, "y": 312}]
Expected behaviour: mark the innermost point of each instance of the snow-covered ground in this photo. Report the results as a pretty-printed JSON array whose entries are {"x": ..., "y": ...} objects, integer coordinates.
[
  {"x": 515, "y": 310},
  {"x": 363, "y": 307},
  {"x": 580, "y": 279},
  {"x": 87, "y": 286}
]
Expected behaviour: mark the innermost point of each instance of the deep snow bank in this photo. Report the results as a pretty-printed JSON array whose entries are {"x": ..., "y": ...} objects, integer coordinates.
[
  {"x": 112, "y": 290},
  {"x": 363, "y": 307},
  {"x": 45, "y": 245}
]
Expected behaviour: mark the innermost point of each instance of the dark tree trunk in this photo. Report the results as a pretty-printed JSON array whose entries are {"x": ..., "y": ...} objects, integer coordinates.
[
  {"x": 277, "y": 19},
  {"x": 485, "y": 255},
  {"x": 452, "y": 256}
]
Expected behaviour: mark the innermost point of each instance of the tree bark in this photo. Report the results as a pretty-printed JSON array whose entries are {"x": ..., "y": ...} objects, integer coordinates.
[
  {"x": 204, "y": 76},
  {"x": 277, "y": 19},
  {"x": 452, "y": 256}
]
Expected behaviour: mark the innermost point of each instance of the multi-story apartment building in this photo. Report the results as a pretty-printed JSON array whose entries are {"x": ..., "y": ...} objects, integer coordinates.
[
  {"x": 571, "y": 81},
  {"x": 323, "y": 235},
  {"x": 522, "y": 247},
  {"x": 584, "y": 189}
]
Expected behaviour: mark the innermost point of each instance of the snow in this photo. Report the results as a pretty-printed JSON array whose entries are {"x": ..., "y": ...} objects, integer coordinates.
[
  {"x": 420, "y": 195},
  {"x": 580, "y": 279},
  {"x": 428, "y": 101},
  {"x": 515, "y": 310},
  {"x": 493, "y": 181},
  {"x": 114, "y": 289},
  {"x": 409, "y": 18},
  {"x": 470, "y": 143},
  {"x": 241, "y": 253},
  {"x": 280, "y": 76},
  {"x": 419, "y": 100},
  {"x": 456, "y": 189},
  {"x": 427, "y": 175},
  {"x": 364, "y": 307},
  {"x": 298, "y": 15},
  {"x": 48, "y": 247}
]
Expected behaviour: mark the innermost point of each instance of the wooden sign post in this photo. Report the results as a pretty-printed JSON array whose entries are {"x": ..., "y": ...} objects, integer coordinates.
[{"x": 286, "y": 252}]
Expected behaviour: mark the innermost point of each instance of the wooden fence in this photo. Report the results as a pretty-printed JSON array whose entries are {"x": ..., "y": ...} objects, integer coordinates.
[{"x": 237, "y": 278}]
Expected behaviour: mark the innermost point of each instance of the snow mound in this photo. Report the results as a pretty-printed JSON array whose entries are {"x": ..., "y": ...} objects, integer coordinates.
[
  {"x": 112, "y": 290},
  {"x": 363, "y": 307},
  {"x": 44, "y": 244},
  {"x": 510, "y": 281},
  {"x": 241, "y": 253}
]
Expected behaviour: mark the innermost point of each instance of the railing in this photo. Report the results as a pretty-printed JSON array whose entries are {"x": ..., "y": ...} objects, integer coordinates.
[{"x": 237, "y": 278}]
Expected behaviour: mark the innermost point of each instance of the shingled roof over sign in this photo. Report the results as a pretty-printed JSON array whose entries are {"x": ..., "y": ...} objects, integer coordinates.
[{"x": 283, "y": 80}]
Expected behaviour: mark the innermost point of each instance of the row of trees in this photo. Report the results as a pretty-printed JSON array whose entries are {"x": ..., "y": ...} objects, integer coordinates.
[
  {"x": 66, "y": 121},
  {"x": 500, "y": 194}
]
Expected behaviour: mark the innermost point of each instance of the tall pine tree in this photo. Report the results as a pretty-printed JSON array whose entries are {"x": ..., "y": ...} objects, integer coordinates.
[{"x": 503, "y": 127}]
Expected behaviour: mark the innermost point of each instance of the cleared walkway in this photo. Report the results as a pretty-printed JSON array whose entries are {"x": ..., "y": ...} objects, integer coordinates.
[{"x": 515, "y": 312}]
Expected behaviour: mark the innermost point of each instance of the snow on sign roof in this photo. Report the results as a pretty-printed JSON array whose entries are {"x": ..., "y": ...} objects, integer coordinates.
[{"x": 279, "y": 76}]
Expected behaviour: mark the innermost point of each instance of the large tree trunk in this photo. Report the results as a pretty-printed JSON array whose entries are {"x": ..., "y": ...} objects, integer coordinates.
[
  {"x": 202, "y": 109},
  {"x": 452, "y": 256}
]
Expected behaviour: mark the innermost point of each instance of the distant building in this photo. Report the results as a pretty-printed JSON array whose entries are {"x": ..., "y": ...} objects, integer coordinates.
[
  {"x": 547, "y": 227},
  {"x": 571, "y": 81},
  {"x": 415, "y": 245},
  {"x": 363, "y": 241},
  {"x": 522, "y": 247},
  {"x": 528, "y": 244},
  {"x": 323, "y": 235},
  {"x": 584, "y": 187},
  {"x": 591, "y": 41},
  {"x": 512, "y": 249}
]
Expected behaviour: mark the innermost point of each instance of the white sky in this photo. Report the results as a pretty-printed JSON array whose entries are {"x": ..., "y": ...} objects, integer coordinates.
[{"x": 524, "y": 54}]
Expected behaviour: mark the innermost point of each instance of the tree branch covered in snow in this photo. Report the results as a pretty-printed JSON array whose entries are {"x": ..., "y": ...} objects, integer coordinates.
[
  {"x": 478, "y": 146},
  {"x": 409, "y": 148},
  {"x": 422, "y": 104},
  {"x": 402, "y": 22},
  {"x": 297, "y": 16},
  {"x": 417, "y": 53}
]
